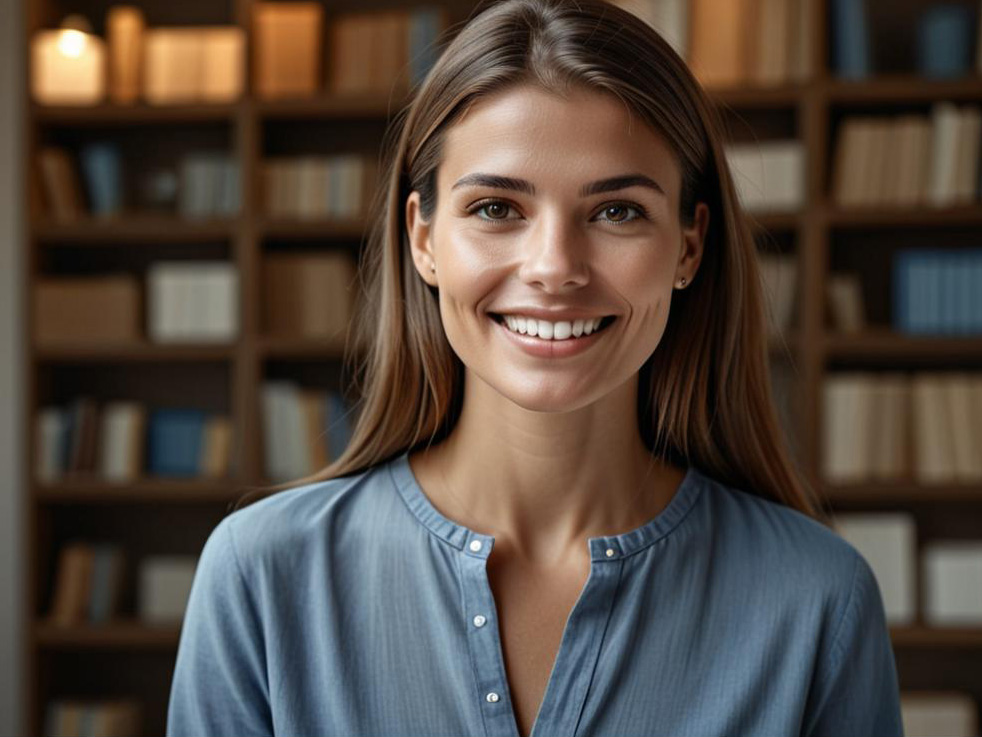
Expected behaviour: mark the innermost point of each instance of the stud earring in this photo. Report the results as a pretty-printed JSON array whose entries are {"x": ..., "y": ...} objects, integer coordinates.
[{"x": 682, "y": 282}]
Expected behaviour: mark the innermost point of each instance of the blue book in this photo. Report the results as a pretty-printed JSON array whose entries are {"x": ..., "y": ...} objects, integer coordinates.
[
  {"x": 975, "y": 269},
  {"x": 948, "y": 293},
  {"x": 424, "y": 31},
  {"x": 175, "y": 438},
  {"x": 850, "y": 39},
  {"x": 964, "y": 279},
  {"x": 338, "y": 427},
  {"x": 103, "y": 176},
  {"x": 944, "y": 41},
  {"x": 919, "y": 293}
]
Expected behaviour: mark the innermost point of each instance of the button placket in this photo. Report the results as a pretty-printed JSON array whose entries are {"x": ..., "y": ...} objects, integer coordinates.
[{"x": 484, "y": 641}]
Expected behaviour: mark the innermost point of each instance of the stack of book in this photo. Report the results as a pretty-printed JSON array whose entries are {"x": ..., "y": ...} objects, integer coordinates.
[
  {"x": 87, "y": 587},
  {"x": 924, "y": 426},
  {"x": 304, "y": 429},
  {"x": 750, "y": 42},
  {"x": 938, "y": 291},
  {"x": 82, "y": 718},
  {"x": 207, "y": 183},
  {"x": 335, "y": 186},
  {"x": 377, "y": 51},
  {"x": 120, "y": 441},
  {"x": 909, "y": 159},
  {"x": 941, "y": 587},
  {"x": 770, "y": 176},
  {"x": 308, "y": 295},
  {"x": 192, "y": 302}
]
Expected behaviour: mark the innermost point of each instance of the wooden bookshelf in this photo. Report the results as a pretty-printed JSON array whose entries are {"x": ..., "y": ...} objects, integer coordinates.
[{"x": 175, "y": 517}]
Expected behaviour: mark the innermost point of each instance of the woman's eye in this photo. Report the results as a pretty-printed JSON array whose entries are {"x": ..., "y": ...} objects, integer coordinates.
[{"x": 614, "y": 213}]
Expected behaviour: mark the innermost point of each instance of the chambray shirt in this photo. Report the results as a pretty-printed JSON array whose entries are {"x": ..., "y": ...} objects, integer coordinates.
[{"x": 354, "y": 607}]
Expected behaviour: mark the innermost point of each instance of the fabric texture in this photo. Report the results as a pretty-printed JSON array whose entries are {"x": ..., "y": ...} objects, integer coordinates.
[{"x": 354, "y": 607}]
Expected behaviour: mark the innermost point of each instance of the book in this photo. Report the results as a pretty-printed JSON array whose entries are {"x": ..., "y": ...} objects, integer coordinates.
[
  {"x": 87, "y": 310},
  {"x": 125, "y": 29},
  {"x": 59, "y": 180},
  {"x": 175, "y": 438},
  {"x": 888, "y": 542},
  {"x": 288, "y": 50},
  {"x": 165, "y": 583}
]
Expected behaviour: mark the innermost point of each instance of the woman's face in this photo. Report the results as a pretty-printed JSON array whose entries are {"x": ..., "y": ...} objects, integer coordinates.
[{"x": 540, "y": 237}]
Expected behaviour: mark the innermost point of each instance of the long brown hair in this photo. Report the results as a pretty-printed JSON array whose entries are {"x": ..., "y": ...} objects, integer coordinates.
[{"x": 705, "y": 396}]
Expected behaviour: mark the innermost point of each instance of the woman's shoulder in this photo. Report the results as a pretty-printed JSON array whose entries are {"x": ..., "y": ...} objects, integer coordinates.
[
  {"x": 289, "y": 522},
  {"x": 758, "y": 531}
]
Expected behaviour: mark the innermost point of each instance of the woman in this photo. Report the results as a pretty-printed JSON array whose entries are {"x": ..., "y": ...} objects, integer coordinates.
[{"x": 566, "y": 366}]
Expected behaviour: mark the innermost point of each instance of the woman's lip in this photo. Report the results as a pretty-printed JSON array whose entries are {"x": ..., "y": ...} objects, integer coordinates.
[{"x": 550, "y": 348}]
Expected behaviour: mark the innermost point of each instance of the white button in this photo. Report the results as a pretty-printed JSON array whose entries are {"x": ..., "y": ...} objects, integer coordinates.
[
  {"x": 610, "y": 552},
  {"x": 475, "y": 545},
  {"x": 479, "y": 620},
  {"x": 492, "y": 697}
]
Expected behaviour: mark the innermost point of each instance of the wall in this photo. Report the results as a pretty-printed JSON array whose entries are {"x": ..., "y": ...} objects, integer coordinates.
[{"x": 11, "y": 358}]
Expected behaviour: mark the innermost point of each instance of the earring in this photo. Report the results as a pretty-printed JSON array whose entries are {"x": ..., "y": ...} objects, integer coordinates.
[{"x": 682, "y": 282}]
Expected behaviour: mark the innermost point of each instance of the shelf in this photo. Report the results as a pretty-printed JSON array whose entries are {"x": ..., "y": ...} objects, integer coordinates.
[
  {"x": 891, "y": 492},
  {"x": 895, "y": 217},
  {"x": 129, "y": 228},
  {"x": 133, "y": 352},
  {"x": 775, "y": 97},
  {"x": 313, "y": 229},
  {"x": 880, "y": 343},
  {"x": 270, "y": 347},
  {"x": 354, "y": 106},
  {"x": 125, "y": 634},
  {"x": 903, "y": 89},
  {"x": 936, "y": 637},
  {"x": 114, "y": 114},
  {"x": 144, "y": 491}
]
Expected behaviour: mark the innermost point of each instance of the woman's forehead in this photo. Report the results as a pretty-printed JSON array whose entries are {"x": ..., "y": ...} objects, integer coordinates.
[{"x": 529, "y": 130}]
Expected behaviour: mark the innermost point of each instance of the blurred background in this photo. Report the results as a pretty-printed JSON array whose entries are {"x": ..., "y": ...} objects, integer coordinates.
[{"x": 184, "y": 195}]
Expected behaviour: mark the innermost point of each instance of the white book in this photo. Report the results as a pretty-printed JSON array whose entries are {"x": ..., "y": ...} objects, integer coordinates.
[
  {"x": 845, "y": 421},
  {"x": 967, "y": 167},
  {"x": 120, "y": 441},
  {"x": 930, "y": 714},
  {"x": 945, "y": 122},
  {"x": 965, "y": 444},
  {"x": 50, "y": 433},
  {"x": 952, "y": 574},
  {"x": 165, "y": 584},
  {"x": 668, "y": 17},
  {"x": 192, "y": 301},
  {"x": 779, "y": 274},
  {"x": 845, "y": 294},
  {"x": 933, "y": 454},
  {"x": 769, "y": 177},
  {"x": 887, "y": 540}
]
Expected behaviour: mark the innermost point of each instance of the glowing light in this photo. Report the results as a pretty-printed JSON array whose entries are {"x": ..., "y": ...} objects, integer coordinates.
[{"x": 72, "y": 43}]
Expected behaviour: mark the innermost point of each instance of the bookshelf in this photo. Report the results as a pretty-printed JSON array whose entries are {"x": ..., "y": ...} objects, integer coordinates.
[{"x": 152, "y": 516}]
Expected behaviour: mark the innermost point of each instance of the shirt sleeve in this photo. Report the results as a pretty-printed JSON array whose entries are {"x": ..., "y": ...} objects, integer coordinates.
[
  {"x": 856, "y": 691},
  {"x": 219, "y": 685}
]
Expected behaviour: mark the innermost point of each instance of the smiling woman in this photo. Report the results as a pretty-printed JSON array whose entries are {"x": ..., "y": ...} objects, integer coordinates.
[{"x": 567, "y": 368}]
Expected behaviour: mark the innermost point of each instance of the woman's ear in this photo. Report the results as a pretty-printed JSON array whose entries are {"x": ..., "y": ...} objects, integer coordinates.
[
  {"x": 693, "y": 240},
  {"x": 420, "y": 242}
]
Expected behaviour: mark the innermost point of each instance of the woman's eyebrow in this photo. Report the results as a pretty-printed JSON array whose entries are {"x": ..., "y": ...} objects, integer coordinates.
[{"x": 522, "y": 185}]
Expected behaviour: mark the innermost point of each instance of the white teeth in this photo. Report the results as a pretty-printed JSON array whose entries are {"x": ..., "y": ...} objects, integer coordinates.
[{"x": 551, "y": 331}]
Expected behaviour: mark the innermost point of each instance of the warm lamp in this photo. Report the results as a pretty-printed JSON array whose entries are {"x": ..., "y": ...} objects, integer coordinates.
[{"x": 68, "y": 65}]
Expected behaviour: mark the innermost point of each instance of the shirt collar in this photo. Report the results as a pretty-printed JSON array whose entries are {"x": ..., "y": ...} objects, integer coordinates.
[{"x": 603, "y": 548}]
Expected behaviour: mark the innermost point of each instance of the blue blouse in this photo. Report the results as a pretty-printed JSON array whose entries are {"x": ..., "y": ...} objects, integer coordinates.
[{"x": 354, "y": 607}]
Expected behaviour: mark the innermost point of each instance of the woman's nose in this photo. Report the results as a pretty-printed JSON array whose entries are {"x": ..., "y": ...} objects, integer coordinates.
[{"x": 555, "y": 253}]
